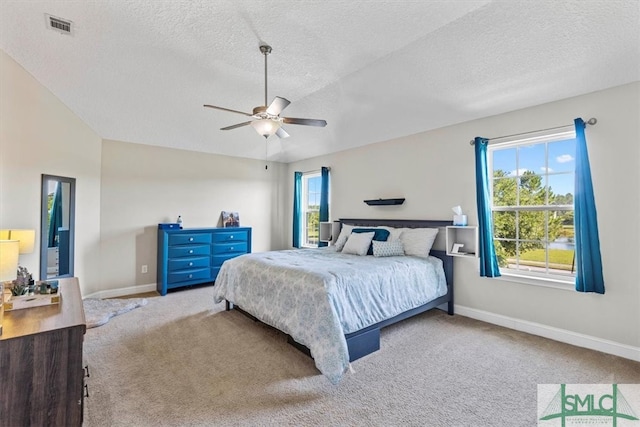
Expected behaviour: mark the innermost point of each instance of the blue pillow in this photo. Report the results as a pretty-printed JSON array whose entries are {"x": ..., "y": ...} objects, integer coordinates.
[{"x": 381, "y": 235}]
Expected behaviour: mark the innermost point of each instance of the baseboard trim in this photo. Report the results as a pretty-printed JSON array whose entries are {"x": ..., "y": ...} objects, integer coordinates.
[
  {"x": 557, "y": 334},
  {"x": 120, "y": 292}
]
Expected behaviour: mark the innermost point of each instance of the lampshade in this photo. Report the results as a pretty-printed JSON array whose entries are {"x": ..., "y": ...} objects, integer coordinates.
[
  {"x": 9, "y": 251},
  {"x": 26, "y": 238},
  {"x": 266, "y": 127}
]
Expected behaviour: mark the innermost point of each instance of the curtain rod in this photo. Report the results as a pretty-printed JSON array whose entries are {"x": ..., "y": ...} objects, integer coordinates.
[
  {"x": 592, "y": 121},
  {"x": 316, "y": 170}
]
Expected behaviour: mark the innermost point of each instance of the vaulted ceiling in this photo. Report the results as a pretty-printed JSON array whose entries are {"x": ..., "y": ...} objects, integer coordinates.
[{"x": 141, "y": 70}]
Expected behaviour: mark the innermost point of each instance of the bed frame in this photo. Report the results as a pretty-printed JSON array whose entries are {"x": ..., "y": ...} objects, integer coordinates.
[{"x": 367, "y": 340}]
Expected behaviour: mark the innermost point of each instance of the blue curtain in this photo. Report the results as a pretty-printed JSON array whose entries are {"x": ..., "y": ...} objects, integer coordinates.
[
  {"x": 297, "y": 209},
  {"x": 588, "y": 260},
  {"x": 324, "y": 199},
  {"x": 487, "y": 251},
  {"x": 55, "y": 217}
]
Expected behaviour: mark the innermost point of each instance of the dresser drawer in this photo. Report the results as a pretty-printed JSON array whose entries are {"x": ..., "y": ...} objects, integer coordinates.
[
  {"x": 182, "y": 263},
  {"x": 227, "y": 248},
  {"x": 189, "y": 250},
  {"x": 186, "y": 275},
  {"x": 230, "y": 236},
  {"x": 189, "y": 238}
]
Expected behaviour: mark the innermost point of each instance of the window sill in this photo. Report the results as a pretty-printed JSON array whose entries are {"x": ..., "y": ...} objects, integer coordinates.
[{"x": 538, "y": 281}]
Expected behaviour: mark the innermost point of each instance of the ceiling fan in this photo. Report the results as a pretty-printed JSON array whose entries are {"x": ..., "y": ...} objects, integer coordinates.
[{"x": 266, "y": 120}]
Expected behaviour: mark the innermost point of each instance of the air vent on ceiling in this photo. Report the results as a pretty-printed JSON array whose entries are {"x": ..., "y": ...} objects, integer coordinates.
[{"x": 60, "y": 25}]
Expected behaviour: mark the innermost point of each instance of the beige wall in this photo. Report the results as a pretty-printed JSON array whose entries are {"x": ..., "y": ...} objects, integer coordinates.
[
  {"x": 40, "y": 135},
  {"x": 144, "y": 185},
  {"x": 435, "y": 171}
]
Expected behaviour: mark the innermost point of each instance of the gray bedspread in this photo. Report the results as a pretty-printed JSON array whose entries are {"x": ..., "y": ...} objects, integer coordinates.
[{"x": 319, "y": 295}]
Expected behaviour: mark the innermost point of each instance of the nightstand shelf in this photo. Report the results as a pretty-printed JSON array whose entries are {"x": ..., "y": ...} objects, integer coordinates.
[{"x": 465, "y": 235}]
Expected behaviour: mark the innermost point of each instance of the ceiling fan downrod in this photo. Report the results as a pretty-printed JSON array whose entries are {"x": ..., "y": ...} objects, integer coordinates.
[{"x": 266, "y": 50}]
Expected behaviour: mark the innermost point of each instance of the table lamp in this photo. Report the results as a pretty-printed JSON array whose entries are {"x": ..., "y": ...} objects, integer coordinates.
[
  {"x": 9, "y": 252},
  {"x": 26, "y": 238}
]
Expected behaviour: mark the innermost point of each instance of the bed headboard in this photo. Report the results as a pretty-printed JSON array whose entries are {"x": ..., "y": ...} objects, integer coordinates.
[
  {"x": 436, "y": 251},
  {"x": 398, "y": 223}
]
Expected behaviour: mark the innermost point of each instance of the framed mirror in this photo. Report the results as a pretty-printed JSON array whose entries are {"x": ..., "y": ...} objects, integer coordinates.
[{"x": 57, "y": 226}]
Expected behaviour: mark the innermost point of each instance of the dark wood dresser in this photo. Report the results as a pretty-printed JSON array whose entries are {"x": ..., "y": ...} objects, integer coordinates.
[{"x": 41, "y": 372}]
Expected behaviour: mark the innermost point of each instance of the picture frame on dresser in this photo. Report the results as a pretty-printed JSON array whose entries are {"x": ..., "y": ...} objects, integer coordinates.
[{"x": 230, "y": 219}]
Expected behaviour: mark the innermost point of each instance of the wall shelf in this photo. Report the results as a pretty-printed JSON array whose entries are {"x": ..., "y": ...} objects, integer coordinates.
[
  {"x": 384, "y": 202},
  {"x": 465, "y": 235}
]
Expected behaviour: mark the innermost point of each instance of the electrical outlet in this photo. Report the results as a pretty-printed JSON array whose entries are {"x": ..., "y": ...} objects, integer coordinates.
[{"x": 144, "y": 269}]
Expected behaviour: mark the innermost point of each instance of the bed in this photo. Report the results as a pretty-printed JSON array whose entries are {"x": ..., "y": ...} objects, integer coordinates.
[{"x": 332, "y": 305}]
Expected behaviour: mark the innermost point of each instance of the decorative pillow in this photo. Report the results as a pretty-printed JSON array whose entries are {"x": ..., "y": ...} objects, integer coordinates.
[
  {"x": 394, "y": 233},
  {"x": 358, "y": 243},
  {"x": 418, "y": 241},
  {"x": 388, "y": 248},
  {"x": 342, "y": 238},
  {"x": 380, "y": 234}
]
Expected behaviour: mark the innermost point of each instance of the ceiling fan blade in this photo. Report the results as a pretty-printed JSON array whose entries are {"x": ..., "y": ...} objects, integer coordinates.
[
  {"x": 282, "y": 133},
  {"x": 306, "y": 122},
  {"x": 227, "y": 109},
  {"x": 277, "y": 105},
  {"x": 236, "y": 126}
]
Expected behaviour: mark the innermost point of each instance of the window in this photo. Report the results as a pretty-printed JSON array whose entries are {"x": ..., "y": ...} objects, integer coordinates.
[
  {"x": 311, "y": 185},
  {"x": 532, "y": 206}
]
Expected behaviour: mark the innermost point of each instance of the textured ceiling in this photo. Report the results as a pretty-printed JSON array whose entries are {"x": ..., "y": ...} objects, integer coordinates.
[{"x": 141, "y": 70}]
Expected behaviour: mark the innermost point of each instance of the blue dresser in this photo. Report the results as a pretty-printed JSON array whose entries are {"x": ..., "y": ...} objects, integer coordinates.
[{"x": 192, "y": 256}]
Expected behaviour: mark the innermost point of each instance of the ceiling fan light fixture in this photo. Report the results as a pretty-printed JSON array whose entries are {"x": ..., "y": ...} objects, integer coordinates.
[
  {"x": 266, "y": 118},
  {"x": 266, "y": 127}
]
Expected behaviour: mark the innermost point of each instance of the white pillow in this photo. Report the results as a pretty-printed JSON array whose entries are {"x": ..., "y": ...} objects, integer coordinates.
[
  {"x": 418, "y": 241},
  {"x": 394, "y": 233},
  {"x": 342, "y": 238},
  {"x": 388, "y": 248},
  {"x": 358, "y": 243}
]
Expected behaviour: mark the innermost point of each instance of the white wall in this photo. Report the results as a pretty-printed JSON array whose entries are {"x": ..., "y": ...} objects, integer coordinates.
[
  {"x": 40, "y": 135},
  {"x": 435, "y": 171},
  {"x": 144, "y": 185}
]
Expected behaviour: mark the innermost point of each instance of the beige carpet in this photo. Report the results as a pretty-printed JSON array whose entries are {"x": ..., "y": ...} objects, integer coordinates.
[{"x": 181, "y": 361}]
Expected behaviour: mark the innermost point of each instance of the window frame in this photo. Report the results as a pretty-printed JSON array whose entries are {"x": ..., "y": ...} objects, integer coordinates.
[
  {"x": 306, "y": 176},
  {"x": 531, "y": 277}
]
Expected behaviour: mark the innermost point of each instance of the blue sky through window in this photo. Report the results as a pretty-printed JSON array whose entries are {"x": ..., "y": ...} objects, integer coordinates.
[
  {"x": 532, "y": 158},
  {"x": 314, "y": 190}
]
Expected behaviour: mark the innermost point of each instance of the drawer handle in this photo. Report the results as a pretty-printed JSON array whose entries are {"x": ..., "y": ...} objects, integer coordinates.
[
  {"x": 190, "y": 264},
  {"x": 190, "y": 276},
  {"x": 231, "y": 248},
  {"x": 86, "y": 371},
  {"x": 191, "y": 251},
  {"x": 86, "y": 390},
  {"x": 191, "y": 239},
  {"x": 231, "y": 237}
]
